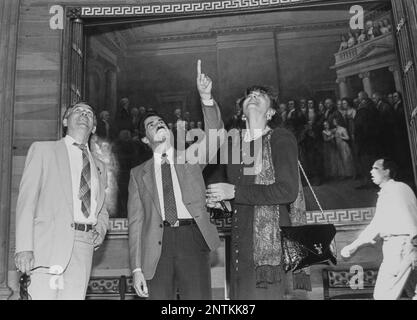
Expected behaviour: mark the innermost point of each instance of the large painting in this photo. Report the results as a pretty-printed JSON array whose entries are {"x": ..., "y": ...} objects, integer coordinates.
[{"x": 337, "y": 89}]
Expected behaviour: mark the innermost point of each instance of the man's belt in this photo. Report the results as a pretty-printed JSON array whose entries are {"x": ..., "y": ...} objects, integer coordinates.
[
  {"x": 82, "y": 226},
  {"x": 386, "y": 237},
  {"x": 180, "y": 223}
]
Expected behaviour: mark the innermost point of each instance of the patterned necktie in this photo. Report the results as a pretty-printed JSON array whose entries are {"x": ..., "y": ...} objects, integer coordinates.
[
  {"x": 168, "y": 191},
  {"x": 85, "y": 182}
]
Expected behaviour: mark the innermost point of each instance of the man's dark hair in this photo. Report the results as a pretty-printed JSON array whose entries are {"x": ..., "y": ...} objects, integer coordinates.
[
  {"x": 313, "y": 100},
  {"x": 349, "y": 101},
  {"x": 389, "y": 164},
  {"x": 399, "y": 94},
  {"x": 148, "y": 114}
]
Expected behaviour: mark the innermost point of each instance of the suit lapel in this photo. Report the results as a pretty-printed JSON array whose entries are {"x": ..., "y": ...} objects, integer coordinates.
[
  {"x": 150, "y": 183},
  {"x": 62, "y": 157}
]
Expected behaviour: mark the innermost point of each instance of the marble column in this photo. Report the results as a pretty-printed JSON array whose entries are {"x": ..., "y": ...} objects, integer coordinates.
[
  {"x": 343, "y": 87},
  {"x": 367, "y": 84},
  {"x": 397, "y": 78},
  {"x": 9, "y": 16}
]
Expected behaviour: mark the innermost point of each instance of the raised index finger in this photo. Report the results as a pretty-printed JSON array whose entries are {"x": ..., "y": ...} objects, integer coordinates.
[{"x": 198, "y": 67}]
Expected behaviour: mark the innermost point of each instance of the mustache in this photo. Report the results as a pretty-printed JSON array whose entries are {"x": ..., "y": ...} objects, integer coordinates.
[{"x": 161, "y": 126}]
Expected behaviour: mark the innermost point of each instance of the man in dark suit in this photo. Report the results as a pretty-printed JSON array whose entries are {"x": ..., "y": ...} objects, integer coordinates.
[
  {"x": 123, "y": 120},
  {"x": 104, "y": 127},
  {"x": 402, "y": 146},
  {"x": 333, "y": 113},
  {"x": 367, "y": 130},
  {"x": 387, "y": 123},
  {"x": 170, "y": 233}
]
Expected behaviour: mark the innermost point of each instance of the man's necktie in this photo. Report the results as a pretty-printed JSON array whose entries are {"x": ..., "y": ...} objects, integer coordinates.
[
  {"x": 170, "y": 206},
  {"x": 85, "y": 182}
]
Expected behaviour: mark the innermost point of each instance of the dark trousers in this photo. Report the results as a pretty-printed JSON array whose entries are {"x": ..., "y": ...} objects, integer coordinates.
[{"x": 184, "y": 266}]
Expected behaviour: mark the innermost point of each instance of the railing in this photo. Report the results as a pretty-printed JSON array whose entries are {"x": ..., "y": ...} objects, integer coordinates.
[{"x": 344, "y": 56}]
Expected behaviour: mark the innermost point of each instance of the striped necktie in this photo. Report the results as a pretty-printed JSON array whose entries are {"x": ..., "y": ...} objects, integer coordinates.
[{"x": 85, "y": 182}]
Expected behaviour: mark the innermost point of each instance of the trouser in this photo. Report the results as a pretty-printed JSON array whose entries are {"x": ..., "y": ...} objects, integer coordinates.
[
  {"x": 395, "y": 268},
  {"x": 72, "y": 283},
  {"x": 184, "y": 266}
]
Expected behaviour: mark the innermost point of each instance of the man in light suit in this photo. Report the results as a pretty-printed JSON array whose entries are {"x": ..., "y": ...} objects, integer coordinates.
[
  {"x": 170, "y": 233},
  {"x": 60, "y": 213}
]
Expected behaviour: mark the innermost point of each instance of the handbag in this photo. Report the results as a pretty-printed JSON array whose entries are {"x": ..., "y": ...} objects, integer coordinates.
[{"x": 306, "y": 245}]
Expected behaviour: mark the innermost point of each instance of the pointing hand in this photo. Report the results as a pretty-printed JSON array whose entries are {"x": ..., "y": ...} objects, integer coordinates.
[{"x": 204, "y": 83}]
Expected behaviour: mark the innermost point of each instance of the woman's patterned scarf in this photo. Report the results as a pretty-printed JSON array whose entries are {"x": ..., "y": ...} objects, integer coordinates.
[{"x": 266, "y": 234}]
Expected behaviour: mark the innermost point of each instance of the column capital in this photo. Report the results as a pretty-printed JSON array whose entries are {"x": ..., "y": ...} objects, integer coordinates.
[
  {"x": 366, "y": 74},
  {"x": 74, "y": 13},
  {"x": 339, "y": 80},
  {"x": 393, "y": 69}
]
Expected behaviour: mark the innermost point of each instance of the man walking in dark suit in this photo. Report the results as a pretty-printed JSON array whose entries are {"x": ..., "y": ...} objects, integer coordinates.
[{"x": 170, "y": 233}]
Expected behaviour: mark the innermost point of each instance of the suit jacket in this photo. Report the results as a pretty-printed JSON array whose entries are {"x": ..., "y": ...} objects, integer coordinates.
[
  {"x": 44, "y": 212},
  {"x": 144, "y": 212}
]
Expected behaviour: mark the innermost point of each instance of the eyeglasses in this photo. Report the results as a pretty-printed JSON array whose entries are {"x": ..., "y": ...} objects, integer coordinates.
[{"x": 24, "y": 283}]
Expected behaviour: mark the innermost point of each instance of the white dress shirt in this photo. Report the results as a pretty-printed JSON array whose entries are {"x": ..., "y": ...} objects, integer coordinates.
[
  {"x": 395, "y": 214},
  {"x": 76, "y": 164},
  {"x": 182, "y": 211}
]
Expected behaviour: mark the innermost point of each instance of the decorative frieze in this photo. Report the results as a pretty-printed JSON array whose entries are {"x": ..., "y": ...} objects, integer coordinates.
[
  {"x": 119, "y": 227},
  {"x": 342, "y": 217},
  {"x": 186, "y": 7}
]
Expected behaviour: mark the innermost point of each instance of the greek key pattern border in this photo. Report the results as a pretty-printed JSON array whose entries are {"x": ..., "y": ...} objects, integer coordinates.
[
  {"x": 342, "y": 217},
  {"x": 182, "y": 8},
  {"x": 119, "y": 226}
]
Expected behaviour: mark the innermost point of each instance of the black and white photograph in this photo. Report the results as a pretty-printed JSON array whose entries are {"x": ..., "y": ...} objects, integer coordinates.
[{"x": 208, "y": 150}]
